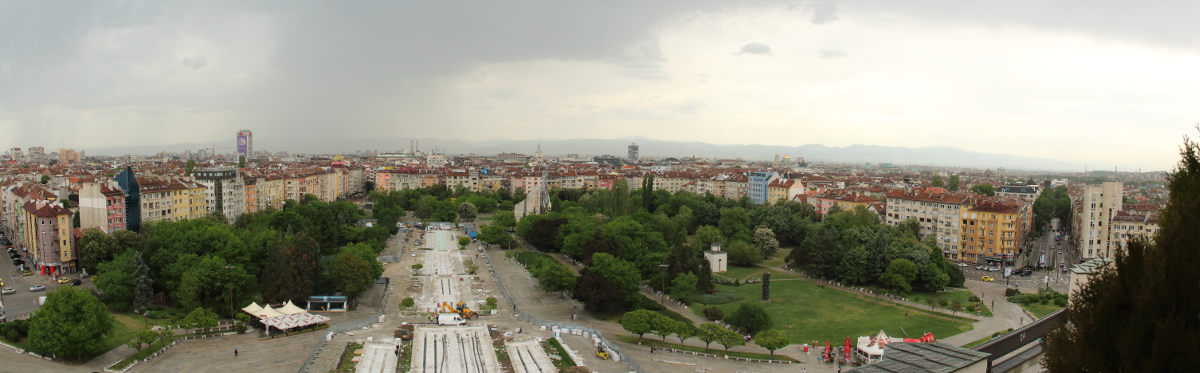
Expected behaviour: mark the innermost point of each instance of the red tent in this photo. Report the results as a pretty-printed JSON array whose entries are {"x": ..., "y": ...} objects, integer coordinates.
[
  {"x": 827, "y": 349},
  {"x": 847, "y": 349}
]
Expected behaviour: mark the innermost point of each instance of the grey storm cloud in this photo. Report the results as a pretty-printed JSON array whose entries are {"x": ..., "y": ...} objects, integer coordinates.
[{"x": 755, "y": 48}]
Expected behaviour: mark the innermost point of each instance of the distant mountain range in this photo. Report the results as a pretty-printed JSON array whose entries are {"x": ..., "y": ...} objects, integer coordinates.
[{"x": 932, "y": 156}]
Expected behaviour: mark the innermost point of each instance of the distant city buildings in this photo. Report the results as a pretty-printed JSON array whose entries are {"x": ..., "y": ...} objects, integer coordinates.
[{"x": 633, "y": 156}]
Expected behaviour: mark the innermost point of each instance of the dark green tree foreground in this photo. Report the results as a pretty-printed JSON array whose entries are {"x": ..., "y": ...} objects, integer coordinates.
[
  {"x": 70, "y": 325},
  {"x": 1142, "y": 315}
]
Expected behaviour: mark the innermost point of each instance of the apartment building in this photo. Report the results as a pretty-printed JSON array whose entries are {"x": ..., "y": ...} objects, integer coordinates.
[
  {"x": 102, "y": 206},
  {"x": 1128, "y": 225},
  {"x": 757, "y": 183},
  {"x": 1098, "y": 204},
  {"x": 936, "y": 210},
  {"x": 783, "y": 189},
  {"x": 992, "y": 230},
  {"x": 224, "y": 191},
  {"x": 49, "y": 240},
  {"x": 842, "y": 199}
]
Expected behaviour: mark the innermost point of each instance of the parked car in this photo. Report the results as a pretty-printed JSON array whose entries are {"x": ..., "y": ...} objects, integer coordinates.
[
  {"x": 76, "y": 282},
  {"x": 26, "y": 273},
  {"x": 37, "y": 288},
  {"x": 1, "y": 282},
  {"x": 8, "y": 291},
  {"x": 987, "y": 279},
  {"x": 62, "y": 280}
]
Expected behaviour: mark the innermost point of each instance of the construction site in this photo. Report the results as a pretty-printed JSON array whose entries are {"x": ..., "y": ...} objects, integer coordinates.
[{"x": 459, "y": 349}]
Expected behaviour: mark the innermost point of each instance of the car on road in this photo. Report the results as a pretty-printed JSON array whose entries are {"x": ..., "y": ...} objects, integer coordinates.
[
  {"x": 1, "y": 282},
  {"x": 76, "y": 282},
  {"x": 26, "y": 273},
  {"x": 8, "y": 291},
  {"x": 63, "y": 280},
  {"x": 36, "y": 288},
  {"x": 987, "y": 279}
]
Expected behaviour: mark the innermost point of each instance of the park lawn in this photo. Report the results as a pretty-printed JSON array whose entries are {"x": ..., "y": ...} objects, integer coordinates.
[
  {"x": 963, "y": 296},
  {"x": 778, "y": 259},
  {"x": 740, "y": 273},
  {"x": 1040, "y": 310},
  {"x": 808, "y": 312}
]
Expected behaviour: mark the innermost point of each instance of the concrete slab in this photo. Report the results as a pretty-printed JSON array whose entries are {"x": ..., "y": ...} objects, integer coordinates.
[
  {"x": 460, "y": 349},
  {"x": 378, "y": 357},
  {"x": 528, "y": 357}
]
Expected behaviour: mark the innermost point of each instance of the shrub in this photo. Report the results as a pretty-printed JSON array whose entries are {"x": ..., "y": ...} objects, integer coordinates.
[
  {"x": 943, "y": 302},
  {"x": 713, "y": 313},
  {"x": 1008, "y": 292},
  {"x": 717, "y": 298},
  {"x": 1061, "y": 302},
  {"x": 407, "y": 303},
  {"x": 973, "y": 299},
  {"x": 491, "y": 302}
]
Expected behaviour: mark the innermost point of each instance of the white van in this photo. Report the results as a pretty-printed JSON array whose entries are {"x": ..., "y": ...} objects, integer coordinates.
[{"x": 451, "y": 319}]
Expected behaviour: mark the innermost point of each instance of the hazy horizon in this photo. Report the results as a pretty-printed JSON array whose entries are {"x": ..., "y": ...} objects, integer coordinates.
[{"x": 1104, "y": 84}]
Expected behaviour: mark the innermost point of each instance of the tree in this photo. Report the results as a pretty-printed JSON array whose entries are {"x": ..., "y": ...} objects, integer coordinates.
[
  {"x": 143, "y": 286},
  {"x": 937, "y": 181},
  {"x": 463, "y": 242},
  {"x": 729, "y": 338},
  {"x": 143, "y": 337},
  {"x": 607, "y": 285},
  {"x": 352, "y": 273},
  {"x": 188, "y": 167},
  {"x": 854, "y": 266},
  {"x": 241, "y": 161},
  {"x": 953, "y": 184},
  {"x": 709, "y": 333},
  {"x": 639, "y": 322},
  {"x": 117, "y": 282},
  {"x": 1140, "y": 313},
  {"x": 683, "y": 287},
  {"x": 648, "y": 192},
  {"x": 45, "y": 179},
  {"x": 496, "y": 235},
  {"x": 199, "y": 318},
  {"x": 95, "y": 247},
  {"x": 467, "y": 211},
  {"x": 70, "y": 324},
  {"x": 743, "y": 254},
  {"x": 290, "y": 270},
  {"x": 662, "y": 326},
  {"x": 554, "y": 278},
  {"x": 899, "y": 275},
  {"x": 750, "y": 318},
  {"x": 705, "y": 236},
  {"x": 772, "y": 340},
  {"x": 764, "y": 240},
  {"x": 984, "y": 189},
  {"x": 683, "y": 331}
]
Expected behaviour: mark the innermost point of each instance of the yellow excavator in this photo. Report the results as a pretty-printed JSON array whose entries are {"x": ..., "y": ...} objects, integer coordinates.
[{"x": 464, "y": 311}]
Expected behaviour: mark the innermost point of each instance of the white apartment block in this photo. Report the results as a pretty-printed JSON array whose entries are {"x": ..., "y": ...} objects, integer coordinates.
[{"x": 1098, "y": 205}]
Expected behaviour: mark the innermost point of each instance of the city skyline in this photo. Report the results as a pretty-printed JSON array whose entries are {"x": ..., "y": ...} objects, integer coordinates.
[{"x": 985, "y": 78}]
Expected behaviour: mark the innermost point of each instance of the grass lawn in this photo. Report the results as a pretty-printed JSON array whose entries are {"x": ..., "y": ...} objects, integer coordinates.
[
  {"x": 715, "y": 348},
  {"x": 778, "y": 259},
  {"x": 963, "y": 296},
  {"x": 808, "y": 312},
  {"x": 346, "y": 363},
  {"x": 124, "y": 329},
  {"x": 740, "y": 273},
  {"x": 1040, "y": 310}
]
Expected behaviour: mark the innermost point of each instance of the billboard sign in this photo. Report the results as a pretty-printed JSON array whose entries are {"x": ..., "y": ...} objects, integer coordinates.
[{"x": 241, "y": 143}]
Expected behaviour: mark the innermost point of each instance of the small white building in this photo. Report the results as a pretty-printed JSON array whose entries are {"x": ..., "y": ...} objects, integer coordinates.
[{"x": 717, "y": 260}]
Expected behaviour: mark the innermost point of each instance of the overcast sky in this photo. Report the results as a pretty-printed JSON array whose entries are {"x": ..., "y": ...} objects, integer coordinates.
[{"x": 1103, "y": 82}]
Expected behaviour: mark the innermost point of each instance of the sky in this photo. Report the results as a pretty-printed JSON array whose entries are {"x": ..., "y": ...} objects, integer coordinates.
[{"x": 1107, "y": 83}]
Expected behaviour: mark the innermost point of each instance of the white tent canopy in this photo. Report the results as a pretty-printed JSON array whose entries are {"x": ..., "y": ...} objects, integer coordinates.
[
  {"x": 290, "y": 309},
  {"x": 268, "y": 312},
  {"x": 253, "y": 309},
  {"x": 298, "y": 320}
]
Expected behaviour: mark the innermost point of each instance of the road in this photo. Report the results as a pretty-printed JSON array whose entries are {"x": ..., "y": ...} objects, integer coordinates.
[{"x": 20, "y": 304}]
